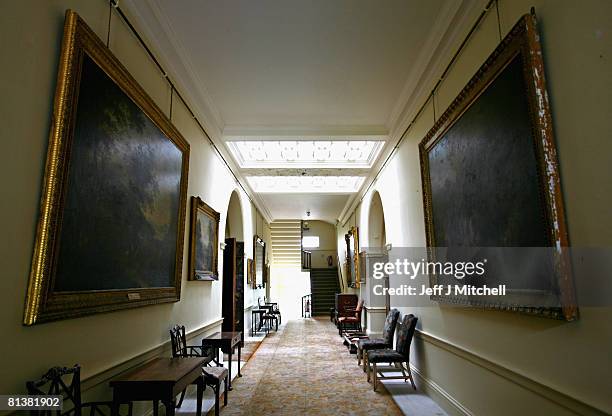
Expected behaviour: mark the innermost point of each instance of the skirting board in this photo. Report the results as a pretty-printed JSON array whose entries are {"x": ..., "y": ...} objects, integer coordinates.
[
  {"x": 555, "y": 396},
  {"x": 111, "y": 372},
  {"x": 433, "y": 390}
]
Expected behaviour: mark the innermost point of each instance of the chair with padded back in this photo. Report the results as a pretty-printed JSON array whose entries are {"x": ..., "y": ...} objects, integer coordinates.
[
  {"x": 353, "y": 318},
  {"x": 365, "y": 345},
  {"x": 213, "y": 376},
  {"x": 400, "y": 356},
  {"x": 55, "y": 382}
]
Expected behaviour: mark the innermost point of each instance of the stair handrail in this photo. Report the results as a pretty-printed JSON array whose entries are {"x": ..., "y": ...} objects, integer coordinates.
[
  {"x": 340, "y": 274},
  {"x": 307, "y": 307}
]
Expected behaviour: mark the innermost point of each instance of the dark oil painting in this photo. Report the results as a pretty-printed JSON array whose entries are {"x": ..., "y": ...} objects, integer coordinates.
[
  {"x": 121, "y": 210},
  {"x": 491, "y": 184},
  {"x": 204, "y": 241},
  {"x": 112, "y": 213}
]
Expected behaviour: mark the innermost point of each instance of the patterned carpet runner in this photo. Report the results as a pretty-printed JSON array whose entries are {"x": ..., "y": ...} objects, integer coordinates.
[{"x": 304, "y": 369}]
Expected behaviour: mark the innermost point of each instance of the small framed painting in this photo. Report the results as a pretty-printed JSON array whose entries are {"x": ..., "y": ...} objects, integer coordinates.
[{"x": 203, "y": 242}]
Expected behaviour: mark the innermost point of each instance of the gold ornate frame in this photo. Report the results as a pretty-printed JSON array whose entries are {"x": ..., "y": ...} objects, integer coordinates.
[
  {"x": 354, "y": 281},
  {"x": 197, "y": 205},
  {"x": 258, "y": 241},
  {"x": 523, "y": 39},
  {"x": 42, "y": 303}
]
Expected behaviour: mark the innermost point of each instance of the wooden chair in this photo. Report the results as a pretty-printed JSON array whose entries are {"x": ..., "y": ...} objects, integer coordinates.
[
  {"x": 274, "y": 310},
  {"x": 353, "y": 319},
  {"x": 55, "y": 382},
  {"x": 400, "y": 356},
  {"x": 213, "y": 376},
  {"x": 269, "y": 317},
  {"x": 369, "y": 344}
]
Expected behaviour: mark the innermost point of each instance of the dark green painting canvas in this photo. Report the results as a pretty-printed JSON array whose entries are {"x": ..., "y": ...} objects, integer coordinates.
[{"x": 122, "y": 199}]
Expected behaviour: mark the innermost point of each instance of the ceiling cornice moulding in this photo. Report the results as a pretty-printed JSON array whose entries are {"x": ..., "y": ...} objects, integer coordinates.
[{"x": 170, "y": 51}]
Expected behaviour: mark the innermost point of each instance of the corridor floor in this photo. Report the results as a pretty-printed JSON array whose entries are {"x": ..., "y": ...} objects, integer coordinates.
[{"x": 305, "y": 370}]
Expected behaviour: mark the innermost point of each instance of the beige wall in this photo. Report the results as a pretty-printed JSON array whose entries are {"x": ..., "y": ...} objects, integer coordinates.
[
  {"x": 30, "y": 42},
  {"x": 572, "y": 359},
  {"x": 327, "y": 243}
]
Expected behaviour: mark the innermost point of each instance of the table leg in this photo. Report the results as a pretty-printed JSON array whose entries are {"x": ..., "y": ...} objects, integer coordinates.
[
  {"x": 229, "y": 367},
  {"x": 170, "y": 408},
  {"x": 239, "y": 352},
  {"x": 200, "y": 392},
  {"x": 115, "y": 409}
]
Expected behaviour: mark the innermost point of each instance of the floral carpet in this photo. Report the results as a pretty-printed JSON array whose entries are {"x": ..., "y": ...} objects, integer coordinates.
[{"x": 303, "y": 369}]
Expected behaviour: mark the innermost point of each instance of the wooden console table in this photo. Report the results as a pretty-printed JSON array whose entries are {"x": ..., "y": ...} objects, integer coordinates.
[
  {"x": 227, "y": 341},
  {"x": 161, "y": 379}
]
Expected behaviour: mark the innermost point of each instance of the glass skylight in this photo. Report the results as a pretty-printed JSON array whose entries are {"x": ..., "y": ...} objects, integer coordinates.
[
  {"x": 306, "y": 154},
  {"x": 305, "y": 184}
]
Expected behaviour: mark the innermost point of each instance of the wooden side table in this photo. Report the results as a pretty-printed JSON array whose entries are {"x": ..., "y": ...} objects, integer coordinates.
[
  {"x": 227, "y": 341},
  {"x": 161, "y": 379}
]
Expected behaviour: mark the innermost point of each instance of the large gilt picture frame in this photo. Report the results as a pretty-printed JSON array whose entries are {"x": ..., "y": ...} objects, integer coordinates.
[
  {"x": 203, "y": 241},
  {"x": 352, "y": 257},
  {"x": 259, "y": 263},
  {"x": 491, "y": 182},
  {"x": 112, "y": 212}
]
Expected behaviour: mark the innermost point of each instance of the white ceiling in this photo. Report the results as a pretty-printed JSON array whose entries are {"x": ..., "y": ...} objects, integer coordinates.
[
  {"x": 323, "y": 207},
  {"x": 310, "y": 64},
  {"x": 309, "y": 68}
]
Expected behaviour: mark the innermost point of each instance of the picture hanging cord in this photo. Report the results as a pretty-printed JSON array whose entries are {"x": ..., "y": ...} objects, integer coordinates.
[
  {"x": 108, "y": 28},
  {"x": 433, "y": 104},
  {"x": 171, "y": 100},
  {"x": 418, "y": 114},
  {"x": 498, "y": 20},
  {"x": 115, "y": 5}
]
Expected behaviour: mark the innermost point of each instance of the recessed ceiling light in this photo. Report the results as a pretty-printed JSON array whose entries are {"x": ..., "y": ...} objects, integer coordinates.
[
  {"x": 306, "y": 184},
  {"x": 306, "y": 154}
]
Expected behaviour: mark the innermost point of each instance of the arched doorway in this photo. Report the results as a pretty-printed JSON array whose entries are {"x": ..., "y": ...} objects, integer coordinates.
[
  {"x": 377, "y": 305},
  {"x": 233, "y": 268},
  {"x": 376, "y": 224}
]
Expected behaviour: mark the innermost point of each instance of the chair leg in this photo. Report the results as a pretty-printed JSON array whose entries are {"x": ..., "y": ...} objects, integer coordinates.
[
  {"x": 375, "y": 379},
  {"x": 368, "y": 371},
  {"x": 225, "y": 394},
  {"x": 358, "y": 357},
  {"x": 410, "y": 374},
  {"x": 365, "y": 361},
  {"x": 217, "y": 388}
]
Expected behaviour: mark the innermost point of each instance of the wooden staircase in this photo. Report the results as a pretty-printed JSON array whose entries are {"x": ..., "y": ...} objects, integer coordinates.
[{"x": 324, "y": 286}]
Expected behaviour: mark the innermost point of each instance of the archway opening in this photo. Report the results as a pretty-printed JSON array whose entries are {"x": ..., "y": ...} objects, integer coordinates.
[{"x": 233, "y": 268}]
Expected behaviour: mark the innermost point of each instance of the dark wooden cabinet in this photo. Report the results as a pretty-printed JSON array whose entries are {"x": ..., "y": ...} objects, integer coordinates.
[{"x": 233, "y": 286}]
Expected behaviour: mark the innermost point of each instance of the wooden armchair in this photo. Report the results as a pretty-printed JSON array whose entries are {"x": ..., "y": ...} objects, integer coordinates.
[
  {"x": 55, "y": 382},
  {"x": 213, "y": 376},
  {"x": 352, "y": 318}
]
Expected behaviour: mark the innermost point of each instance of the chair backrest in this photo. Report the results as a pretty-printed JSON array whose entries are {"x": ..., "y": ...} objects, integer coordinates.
[
  {"x": 54, "y": 382},
  {"x": 259, "y": 303},
  {"x": 178, "y": 340},
  {"x": 390, "y": 324},
  {"x": 405, "y": 334}
]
